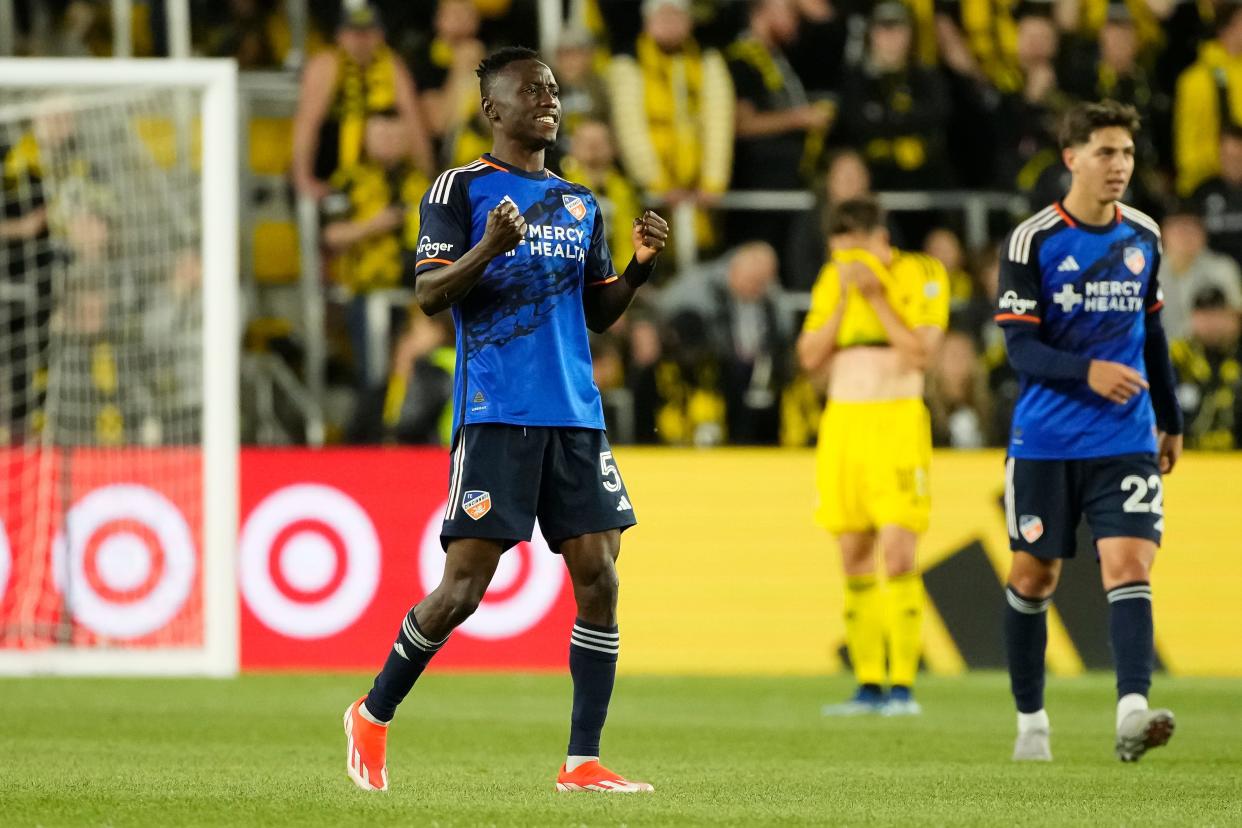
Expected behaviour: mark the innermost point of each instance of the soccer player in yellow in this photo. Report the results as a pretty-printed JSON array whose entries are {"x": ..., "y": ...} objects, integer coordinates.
[{"x": 877, "y": 316}]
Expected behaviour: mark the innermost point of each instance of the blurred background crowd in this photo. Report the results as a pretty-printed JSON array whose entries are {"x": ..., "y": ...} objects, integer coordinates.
[{"x": 742, "y": 121}]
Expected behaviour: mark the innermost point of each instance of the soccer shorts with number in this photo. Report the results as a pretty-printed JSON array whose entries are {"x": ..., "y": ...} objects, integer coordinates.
[
  {"x": 1120, "y": 497},
  {"x": 872, "y": 466},
  {"x": 503, "y": 477}
]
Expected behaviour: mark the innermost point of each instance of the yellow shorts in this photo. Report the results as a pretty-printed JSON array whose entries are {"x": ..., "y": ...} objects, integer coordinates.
[{"x": 872, "y": 465}]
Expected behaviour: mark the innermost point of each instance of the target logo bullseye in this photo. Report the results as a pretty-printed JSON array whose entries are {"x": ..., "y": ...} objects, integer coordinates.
[
  {"x": 523, "y": 590},
  {"x": 125, "y": 560},
  {"x": 310, "y": 561}
]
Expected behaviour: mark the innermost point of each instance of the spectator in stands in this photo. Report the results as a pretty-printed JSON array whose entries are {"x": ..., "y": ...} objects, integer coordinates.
[
  {"x": 342, "y": 87},
  {"x": 1219, "y": 199},
  {"x": 846, "y": 178},
  {"x": 957, "y": 396},
  {"x": 251, "y": 31},
  {"x": 592, "y": 162},
  {"x": 739, "y": 298},
  {"x": 944, "y": 245},
  {"x": 895, "y": 111},
  {"x": 584, "y": 91},
  {"x": 414, "y": 405},
  {"x": 371, "y": 223},
  {"x": 1089, "y": 18},
  {"x": 677, "y": 395},
  {"x": 1028, "y": 145},
  {"x": 1209, "y": 373},
  {"x": 443, "y": 67},
  {"x": 779, "y": 131},
  {"x": 672, "y": 111},
  {"x": 1209, "y": 95},
  {"x": 1188, "y": 267}
]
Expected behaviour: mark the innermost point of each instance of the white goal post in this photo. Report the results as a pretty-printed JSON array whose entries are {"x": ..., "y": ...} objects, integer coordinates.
[{"x": 53, "y": 469}]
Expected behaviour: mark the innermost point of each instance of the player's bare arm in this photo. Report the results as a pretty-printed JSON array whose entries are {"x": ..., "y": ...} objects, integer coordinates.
[
  {"x": 915, "y": 345},
  {"x": 437, "y": 289},
  {"x": 815, "y": 348},
  {"x": 604, "y": 304}
]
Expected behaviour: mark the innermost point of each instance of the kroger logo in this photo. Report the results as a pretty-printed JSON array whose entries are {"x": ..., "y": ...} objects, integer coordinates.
[
  {"x": 1011, "y": 301},
  {"x": 426, "y": 245}
]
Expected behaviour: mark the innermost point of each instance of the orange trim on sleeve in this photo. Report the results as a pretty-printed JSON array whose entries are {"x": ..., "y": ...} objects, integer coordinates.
[
  {"x": 434, "y": 261},
  {"x": 1016, "y": 317},
  {"x": 1156, "y": 307},
  {"x": 491, "y": 164},
  {"x": 614, "y": 277}
]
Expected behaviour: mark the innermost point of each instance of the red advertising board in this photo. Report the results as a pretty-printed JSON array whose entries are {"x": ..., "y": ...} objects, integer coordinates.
[{"x": 337, "y": 545}]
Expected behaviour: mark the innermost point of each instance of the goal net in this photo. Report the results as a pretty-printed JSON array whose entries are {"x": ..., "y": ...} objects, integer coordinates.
[{"x": 118, "y": 355}]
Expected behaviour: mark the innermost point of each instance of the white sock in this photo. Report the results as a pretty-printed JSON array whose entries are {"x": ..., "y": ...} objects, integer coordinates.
[
  {"x": 1033, "y": 721},
  {"x": 1127, "y": 704},
  {"x": 366, "y": 714},
  {"x": 572, "y": 763}
]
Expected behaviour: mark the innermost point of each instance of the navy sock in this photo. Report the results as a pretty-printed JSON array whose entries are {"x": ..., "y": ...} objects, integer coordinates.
[
  {"x": 405, "y": 664},
  {"x": 1026, "y": 639},
  {"x": 1130, "y": 632},
  {"x": 593, "y": 665}
]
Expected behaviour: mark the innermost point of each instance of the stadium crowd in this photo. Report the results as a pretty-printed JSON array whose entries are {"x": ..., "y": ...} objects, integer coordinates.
[{"x": 683, "y": 102}]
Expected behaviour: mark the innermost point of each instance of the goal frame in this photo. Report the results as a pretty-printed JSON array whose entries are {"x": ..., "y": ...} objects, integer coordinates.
[{"x": 218, "y": 203}]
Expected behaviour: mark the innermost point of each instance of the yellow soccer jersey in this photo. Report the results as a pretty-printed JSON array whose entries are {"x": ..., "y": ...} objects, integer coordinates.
[{"x": 917, "y": 287}]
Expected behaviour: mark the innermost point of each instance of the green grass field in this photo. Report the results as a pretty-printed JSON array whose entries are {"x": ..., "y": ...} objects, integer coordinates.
[{"x": 482, "y": 750}]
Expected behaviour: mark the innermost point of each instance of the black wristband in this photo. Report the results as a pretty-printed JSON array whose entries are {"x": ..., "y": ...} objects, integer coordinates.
[{"x": 636, "y": 274}]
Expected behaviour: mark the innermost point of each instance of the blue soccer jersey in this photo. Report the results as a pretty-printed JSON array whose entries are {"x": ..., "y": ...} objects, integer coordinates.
[
  {"x": 1088, "y": 289},
  {"x": 523, "y": 357}
]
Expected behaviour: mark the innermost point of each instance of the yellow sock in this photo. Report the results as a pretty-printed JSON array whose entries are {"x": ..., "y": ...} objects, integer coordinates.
[
  {"x": 864, "y": 628},
  {"x": 904, "y": 605}
]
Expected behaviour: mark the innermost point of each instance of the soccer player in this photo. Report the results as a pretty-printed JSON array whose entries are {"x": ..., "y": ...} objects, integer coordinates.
[
  {"x": 1097, "y": 421},
  {"x": 877, "y": 315},
  {"x": 520, "y": 257}
]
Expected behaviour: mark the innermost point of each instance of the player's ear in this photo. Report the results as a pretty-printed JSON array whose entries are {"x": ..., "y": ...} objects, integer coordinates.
[
  {"x": 1067, "y": 157},
  {"x": 489, "y": 110}
]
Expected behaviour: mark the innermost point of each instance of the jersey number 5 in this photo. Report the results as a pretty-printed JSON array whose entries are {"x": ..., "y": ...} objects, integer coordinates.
[
  {"x": 608, "y": 470},
  {"x": 1139, "y": 487}
]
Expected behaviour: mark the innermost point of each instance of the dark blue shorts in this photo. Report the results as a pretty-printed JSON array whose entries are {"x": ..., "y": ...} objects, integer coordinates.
[
  {"x": 1120, "y": 497},
  {"x": 503, "y": 477}
]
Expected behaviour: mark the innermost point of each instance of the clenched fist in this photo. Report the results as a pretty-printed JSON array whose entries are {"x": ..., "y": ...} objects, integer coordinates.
[
  {"x": 650, "y": 234},
  {"x": 505, "y": 229}
]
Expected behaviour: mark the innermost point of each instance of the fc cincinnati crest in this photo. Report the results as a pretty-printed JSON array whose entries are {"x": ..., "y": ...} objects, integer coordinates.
[
  {"x": 1135, "y": 260},
  {"x": 575, "y": 206},
  {"x": 1031, "y": 527},
  {"x": 476, "y": 503}
]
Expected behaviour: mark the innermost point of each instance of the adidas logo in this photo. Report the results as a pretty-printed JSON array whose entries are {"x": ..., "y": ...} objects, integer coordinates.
[
  {"x": 400, "y": 650},
  {"x": 624, "y": 505},
  {"x": 1067, "y": 264}
]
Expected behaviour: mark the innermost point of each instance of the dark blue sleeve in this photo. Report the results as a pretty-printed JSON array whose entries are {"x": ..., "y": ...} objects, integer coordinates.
[
  {"x": 1160, "y": 377},
  {"x": 1018, "y": 292},
  {"x": 443, "y": 224},
  {"x": 1031, "y": 356},
  {"x": 599, "y": 267}
]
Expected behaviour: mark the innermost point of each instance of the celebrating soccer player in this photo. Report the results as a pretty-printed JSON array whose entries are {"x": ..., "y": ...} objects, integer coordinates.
[
  {"x": 1097, "y": 421},
  {"x": 520, "y": 257},
  {"x": 877, "y": 314}
]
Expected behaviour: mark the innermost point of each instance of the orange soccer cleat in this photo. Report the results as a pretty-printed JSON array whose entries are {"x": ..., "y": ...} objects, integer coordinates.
[
  {"x": 367, "y": 744},
  {"x": 595, "y": 777}
]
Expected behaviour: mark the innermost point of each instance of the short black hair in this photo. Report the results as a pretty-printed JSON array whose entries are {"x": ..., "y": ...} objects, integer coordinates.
[
  {"x": 1082, "y": 119},
  {"x": 855, "y": 215},
  {"x": 498, "y": 60}
]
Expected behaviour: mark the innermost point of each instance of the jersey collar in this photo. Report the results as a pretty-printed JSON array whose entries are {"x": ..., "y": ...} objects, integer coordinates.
[
  {"x": 492, "y": 161},
  {"x": 1082, "y": 225}
]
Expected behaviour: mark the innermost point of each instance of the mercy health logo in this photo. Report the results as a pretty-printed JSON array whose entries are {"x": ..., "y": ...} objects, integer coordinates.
[
  {"x": 523, "y": 591},
  {"x": 1010, "y": 301},
  {"x": 125, "y": 560},
  {"x": 309, "y": 561},
  {"x": 432, "y": 249},
  {"x": 1100, "y": 296}
]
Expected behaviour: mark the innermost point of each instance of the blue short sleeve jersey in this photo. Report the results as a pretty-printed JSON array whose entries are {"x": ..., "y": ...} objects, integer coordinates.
[
  {"x": 1087, "y": 289},
  {"x": 523, "y": 357}
]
